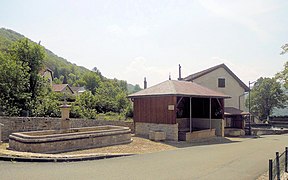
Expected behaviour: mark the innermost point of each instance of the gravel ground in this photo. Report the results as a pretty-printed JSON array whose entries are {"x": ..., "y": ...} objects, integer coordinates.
[
  {"x": 137, "y": 146},
  {"x": 142, "y": 145}
]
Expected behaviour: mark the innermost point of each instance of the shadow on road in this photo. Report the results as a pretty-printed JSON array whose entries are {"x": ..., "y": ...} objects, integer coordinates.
[{"x": 200, "y": 142}]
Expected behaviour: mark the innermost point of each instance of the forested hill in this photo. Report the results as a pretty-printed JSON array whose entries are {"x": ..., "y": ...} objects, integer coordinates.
[{"x": 63, "y": 69}]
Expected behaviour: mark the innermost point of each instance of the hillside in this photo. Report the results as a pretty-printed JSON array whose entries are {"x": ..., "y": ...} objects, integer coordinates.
[
  {"x": 60, "y": 66},
  {"x": 52, "y": 61}
]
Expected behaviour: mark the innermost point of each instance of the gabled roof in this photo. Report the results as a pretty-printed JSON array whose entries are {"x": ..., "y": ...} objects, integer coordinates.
[
  {"x": 78, "y": 89},
  {"x": 206, "y": 71},
  {"x": 61, "y": 87},
  {"x": 234, "y": 111},
  {"x": 44, "y": 70},
  {"x": 178, "y": 88}
]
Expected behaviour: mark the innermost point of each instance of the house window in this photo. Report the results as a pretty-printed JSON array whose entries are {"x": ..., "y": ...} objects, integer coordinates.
[{"x": 221, "y": 82}]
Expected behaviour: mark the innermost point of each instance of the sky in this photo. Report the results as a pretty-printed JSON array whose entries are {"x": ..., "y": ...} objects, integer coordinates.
[{"x": 133, "y": 39}]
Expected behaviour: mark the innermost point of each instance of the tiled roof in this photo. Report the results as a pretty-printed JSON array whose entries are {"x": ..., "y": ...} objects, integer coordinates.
[
  {"x": 234, "y": 111},
  {"x": 178, "y": 88},
  {"x": 74, "y": 88},
  {"x": 44, "y": 70},
  {"x": 60, "y": 87},
  {"x": 206, "y": 71},
  {"x": 78, "y": 89}
]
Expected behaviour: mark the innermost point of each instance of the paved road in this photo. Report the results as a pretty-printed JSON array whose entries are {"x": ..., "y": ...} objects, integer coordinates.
[{"x": 241, "y": 160}]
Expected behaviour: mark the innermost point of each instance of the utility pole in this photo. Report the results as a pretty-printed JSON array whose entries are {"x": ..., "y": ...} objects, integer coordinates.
[{"x": 249, "y": 106}]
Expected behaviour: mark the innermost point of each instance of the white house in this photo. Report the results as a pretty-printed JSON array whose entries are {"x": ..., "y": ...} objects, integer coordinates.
[{"x": 221, "y": 79}]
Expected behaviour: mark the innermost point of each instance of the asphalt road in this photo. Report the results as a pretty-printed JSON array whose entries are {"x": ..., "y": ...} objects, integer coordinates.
[{"x": 241, "y": 160}]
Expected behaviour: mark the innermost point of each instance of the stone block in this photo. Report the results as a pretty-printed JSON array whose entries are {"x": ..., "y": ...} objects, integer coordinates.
[
  {"x": 65, "y": 111},
  {"x": 200, "y": 134},
  {"x": 157, "y": 135},
  {"x": 171, "y": 130},
  {"x": 234, "y": 132},
  {"x": 65, "y": 123}
]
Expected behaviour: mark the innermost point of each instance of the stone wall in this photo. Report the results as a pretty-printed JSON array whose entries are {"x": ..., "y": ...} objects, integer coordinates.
[
  {"x": 23, "y": 124},
  {"x": 171, "y": 130},
  {"x": 196, "y": 135},
  {"x": 217, "y": 124},
  {"x": 53, "y": 141},
  {"x": 201, "y": 123}
]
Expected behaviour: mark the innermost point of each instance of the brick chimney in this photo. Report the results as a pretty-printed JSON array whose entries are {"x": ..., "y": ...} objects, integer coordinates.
[
  {"x": 145, "y": 83},
  {"x": 180, "y": 78}
]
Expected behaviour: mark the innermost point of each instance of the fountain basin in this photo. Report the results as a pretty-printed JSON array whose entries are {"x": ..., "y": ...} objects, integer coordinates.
[{"x": 56, "y": 141}]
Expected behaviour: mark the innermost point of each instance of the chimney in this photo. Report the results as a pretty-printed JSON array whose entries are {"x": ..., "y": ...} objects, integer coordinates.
[
  {"x": 169, "y": 76},
  {"x": 180, "y": 78},
  {"x": 145, "y": 83}
]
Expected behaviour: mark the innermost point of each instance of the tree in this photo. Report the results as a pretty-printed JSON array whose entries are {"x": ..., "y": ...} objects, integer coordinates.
[
  {"x": 284, "y": 49},
  {"x": 84, "y": 106},
  {"x": 97, "y": 71},
  {"x": 20, "y": 82},
  {"x": 92, "y": 81},
  {"x": 13, "y": 84},
  {"x": 48, "y": 105},
  {"x": 266, "y": 95},
  {"x": 65, "y": 80},
  {"x": 137, "y": 88},
  {"x": 56, "y": 72},
  {"x": 283, "y": 75},
  {"x": 30, "y": 55}
]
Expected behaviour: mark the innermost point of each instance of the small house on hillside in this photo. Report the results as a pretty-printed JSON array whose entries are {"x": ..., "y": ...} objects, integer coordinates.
[
  {"x": 62, "y": 88},
  {"x": 221, "y": 79},
  {"x": 78, "y": 90},
  {"x": 47, "y": 74},
  {"x": 180, "y": 109}
]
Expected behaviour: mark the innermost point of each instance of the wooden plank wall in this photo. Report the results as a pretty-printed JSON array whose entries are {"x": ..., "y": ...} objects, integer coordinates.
[{"x": 155, "y": 110}]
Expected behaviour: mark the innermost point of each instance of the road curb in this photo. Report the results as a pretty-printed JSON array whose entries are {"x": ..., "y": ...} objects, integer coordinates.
[{"x": 61, "y": 159}]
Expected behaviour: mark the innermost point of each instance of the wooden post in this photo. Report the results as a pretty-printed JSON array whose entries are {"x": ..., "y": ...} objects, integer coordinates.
[
  {"x": 286, "y": 160},
  {"x": 1, "y": 132},
  {"x": 270, "y": 169},
  {"x": 277, "y": 166},
  {"x": 210, "y": 111},
  {"x": 190, "y": 116}
]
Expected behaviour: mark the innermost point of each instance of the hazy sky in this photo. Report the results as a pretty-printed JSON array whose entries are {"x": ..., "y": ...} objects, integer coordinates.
[{"x": 133, "y": 39}]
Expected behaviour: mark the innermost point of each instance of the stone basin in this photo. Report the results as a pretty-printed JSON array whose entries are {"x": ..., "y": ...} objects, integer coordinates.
[{"x": 56, "y": 141}]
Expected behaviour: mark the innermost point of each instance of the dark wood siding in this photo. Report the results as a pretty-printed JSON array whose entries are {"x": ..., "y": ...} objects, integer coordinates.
[{"x": 155, "y": 110}]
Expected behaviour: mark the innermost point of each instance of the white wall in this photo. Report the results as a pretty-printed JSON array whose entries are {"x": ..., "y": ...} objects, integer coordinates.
[{"x": 232, "y": 87}]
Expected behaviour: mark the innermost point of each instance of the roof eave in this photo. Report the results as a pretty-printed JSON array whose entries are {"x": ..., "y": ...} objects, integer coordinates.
[{"x": 182, "y": 95}]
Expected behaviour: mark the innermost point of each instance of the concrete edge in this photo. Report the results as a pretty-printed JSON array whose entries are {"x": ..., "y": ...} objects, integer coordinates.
[{"x": 60, "y": 159}]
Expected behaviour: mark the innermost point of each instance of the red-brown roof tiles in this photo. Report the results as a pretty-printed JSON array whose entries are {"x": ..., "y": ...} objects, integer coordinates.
[
  {"x": 178, "y": 88},
  {"x": 60, "y": 87}
]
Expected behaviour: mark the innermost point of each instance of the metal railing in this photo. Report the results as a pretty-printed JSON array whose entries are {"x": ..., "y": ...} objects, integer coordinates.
[{"x": 279, "y": 165}]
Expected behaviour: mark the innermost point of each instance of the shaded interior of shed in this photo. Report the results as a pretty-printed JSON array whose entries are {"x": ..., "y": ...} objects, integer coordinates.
[{"x": 200, "y": 108}]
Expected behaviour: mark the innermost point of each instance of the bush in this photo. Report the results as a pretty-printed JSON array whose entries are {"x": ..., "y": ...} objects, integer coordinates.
[
  {"x": 47, "y": 106},
  {"x": 128, "y": 112}
]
